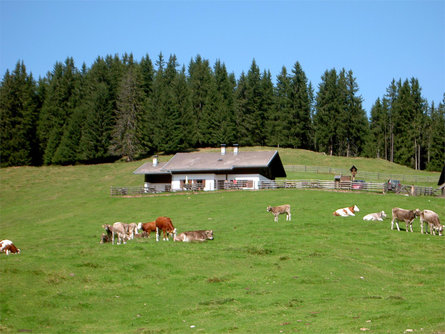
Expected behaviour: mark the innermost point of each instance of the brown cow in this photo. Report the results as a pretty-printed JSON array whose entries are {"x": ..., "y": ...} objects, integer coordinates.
[
  {"x": 407, "y": 216},
  {"x": 278, "y": 210},
  {"x": 147, "y": 227},
  {"x": 8, "y": 247},
  {"x": 164, "y": 224}
]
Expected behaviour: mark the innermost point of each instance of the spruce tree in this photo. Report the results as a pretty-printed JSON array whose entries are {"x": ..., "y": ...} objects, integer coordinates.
[
  {"x": 328, "y": 109},
  {"x": 125, "y": 141},
  {"x": 199, "y": 80},
  {"x": 18, "y": 116},
  {"x": 301, "y": 109},
  {"x": 279, "y": 125}
]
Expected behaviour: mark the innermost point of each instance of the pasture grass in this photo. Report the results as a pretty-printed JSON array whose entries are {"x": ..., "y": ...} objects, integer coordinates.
[{"x": 315, "y": 274}]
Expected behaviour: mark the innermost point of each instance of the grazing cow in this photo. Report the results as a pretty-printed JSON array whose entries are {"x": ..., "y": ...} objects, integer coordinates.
[
  {"x": 278, "y": 210},
  {"x": 119, "y": 230},
  {"x": 131, "y": 229},
  {"x": 375, "y": 216},
  {"x": 432, "y": 218},
  {"x": 344, "y": 212},
  {"x": 147, "y": 227},
  {"x": 7, "y": 246},
  {"x": 407, "y": 216},
  {"x": 200, "y": 235},
  {"x": 164, "y": 224}
]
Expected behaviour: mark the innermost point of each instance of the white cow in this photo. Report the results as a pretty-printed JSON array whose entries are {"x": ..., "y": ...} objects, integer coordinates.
[
  {"x": 348, "y": 211},
  {"x": 375, "y": 216}
]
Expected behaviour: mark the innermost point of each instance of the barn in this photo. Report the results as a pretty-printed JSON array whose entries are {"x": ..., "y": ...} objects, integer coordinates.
[{"x": 212, "y": 170}]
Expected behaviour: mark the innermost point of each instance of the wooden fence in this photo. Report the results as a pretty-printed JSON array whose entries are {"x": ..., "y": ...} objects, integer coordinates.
[
  {"x": 297, "y": 184},
  {"x": 362, "y": 174}
]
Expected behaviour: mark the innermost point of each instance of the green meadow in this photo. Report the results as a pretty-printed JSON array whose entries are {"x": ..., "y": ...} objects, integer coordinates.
[{"x": 315, "y": 274}]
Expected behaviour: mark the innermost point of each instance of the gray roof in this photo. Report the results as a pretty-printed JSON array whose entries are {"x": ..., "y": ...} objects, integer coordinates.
[
  {"x": 148, "y": 168},
  {"x": 194, "y": 162}
]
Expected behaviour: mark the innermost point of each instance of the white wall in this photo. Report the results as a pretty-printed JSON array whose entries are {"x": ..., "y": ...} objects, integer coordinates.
[
  {"x": 208, "y": 178},
  {"x": 211, "y": 178}
]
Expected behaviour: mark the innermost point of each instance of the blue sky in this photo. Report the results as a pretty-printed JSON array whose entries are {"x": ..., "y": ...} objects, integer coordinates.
[{"x": 377, "y": 40}]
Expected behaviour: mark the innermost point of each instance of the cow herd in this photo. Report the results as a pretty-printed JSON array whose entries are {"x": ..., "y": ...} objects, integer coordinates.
[
  {"x": 124, "y": 232},
  {"x": 399, "y": 215}
]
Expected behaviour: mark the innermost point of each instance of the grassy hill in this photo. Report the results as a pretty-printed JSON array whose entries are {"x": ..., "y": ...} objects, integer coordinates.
[{"x": 315, "y": 274}]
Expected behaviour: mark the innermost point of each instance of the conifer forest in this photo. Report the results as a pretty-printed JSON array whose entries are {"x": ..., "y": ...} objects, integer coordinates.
[{"x": 121, "y": 108}]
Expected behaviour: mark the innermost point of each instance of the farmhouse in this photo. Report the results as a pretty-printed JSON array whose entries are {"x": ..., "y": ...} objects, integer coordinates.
[{"x": 212, "y": 171}]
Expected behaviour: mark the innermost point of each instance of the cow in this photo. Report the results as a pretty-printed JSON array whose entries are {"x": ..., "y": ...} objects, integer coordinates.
[
  {"x": 106, "y": 237},
  {"x": 432, "y": 218},
  {"x": 407, "y": 216},
  {"x": 147, "y": 227},
  {"x": 200, "y": 235},
  {"x": 143, "y": 234},
  {"x": 120, "y": 230},
  {"x": 375, "y": 216},
  {"x": 132, "y": 230},
  {"x": 278, "y": 210},
  {"x": 8, "y": 246},
  {"x": 344, "y": 212},
  {"x": 164, "y": 224}
]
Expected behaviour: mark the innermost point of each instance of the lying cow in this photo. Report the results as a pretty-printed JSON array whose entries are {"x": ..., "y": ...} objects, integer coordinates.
[
  {"x": 407, "y": 216},
  {"x": 106, "y": 237},
  {"x": 119, "y": 230},
  {"x": 165, "y": 225},
  {"x": 147, "y": 227},
  {"x": 7, "y": 246},
  {"x": 200, "y": 235},
  {"x": 278, "y": 210},
  {"x": 344, "y": 212},
  {"x": 432, "y": 218},
  {"x": 375, "y": 216}
]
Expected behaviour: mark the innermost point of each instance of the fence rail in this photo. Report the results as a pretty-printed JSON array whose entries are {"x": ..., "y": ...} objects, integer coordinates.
[
  {"x": 297, "y": 184},
  {"x": 362, "y": 174}
]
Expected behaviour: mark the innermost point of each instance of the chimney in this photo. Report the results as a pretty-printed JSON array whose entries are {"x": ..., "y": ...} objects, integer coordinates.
[
  {"x": 155, "y": 161},
  {"x": 235, "y": 149},
  {"x": 223, "y": 149}
]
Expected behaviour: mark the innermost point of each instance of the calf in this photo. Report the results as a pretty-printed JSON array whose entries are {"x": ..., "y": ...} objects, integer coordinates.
[
  {"x": 164, "y": 224},
  {"x": 344, "y": 212},
  {"x": 147, "y": 227},
  {"x": 106, "y": 237},
  {"x": 407, "y": 216},
  {"x": 432, "y": 218},
  {"x": 119, "y": 230},
  {"x": 7, "y": 246},
  {"x": 278, "y": 210},
  {"x": 200, "y": 235},
  {"x": 131, "y": 229},
  {"x": 375, "y": 216}
]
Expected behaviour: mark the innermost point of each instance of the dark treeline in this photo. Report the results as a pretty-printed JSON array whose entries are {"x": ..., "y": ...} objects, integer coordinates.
[{"x": 121, "y": 108}]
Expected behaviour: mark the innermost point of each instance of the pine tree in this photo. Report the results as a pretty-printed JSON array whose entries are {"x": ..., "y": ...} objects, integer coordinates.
[
  {"x": 18, "y": 117},
  {"x": 436, "y": 137},
  {"x": 279, "y": 123},
  {"x": 328, "y": 109},
  {"x": 199, "y": 80},
  {"x": 357, "y": 131},
  {"x": 125, "y": 141},
  {"x": 221, "y": 97},
  {"x": 301, "y": 109},
  {"x": 378, "y": 141},
  {"x": 61, "y": 99}
]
